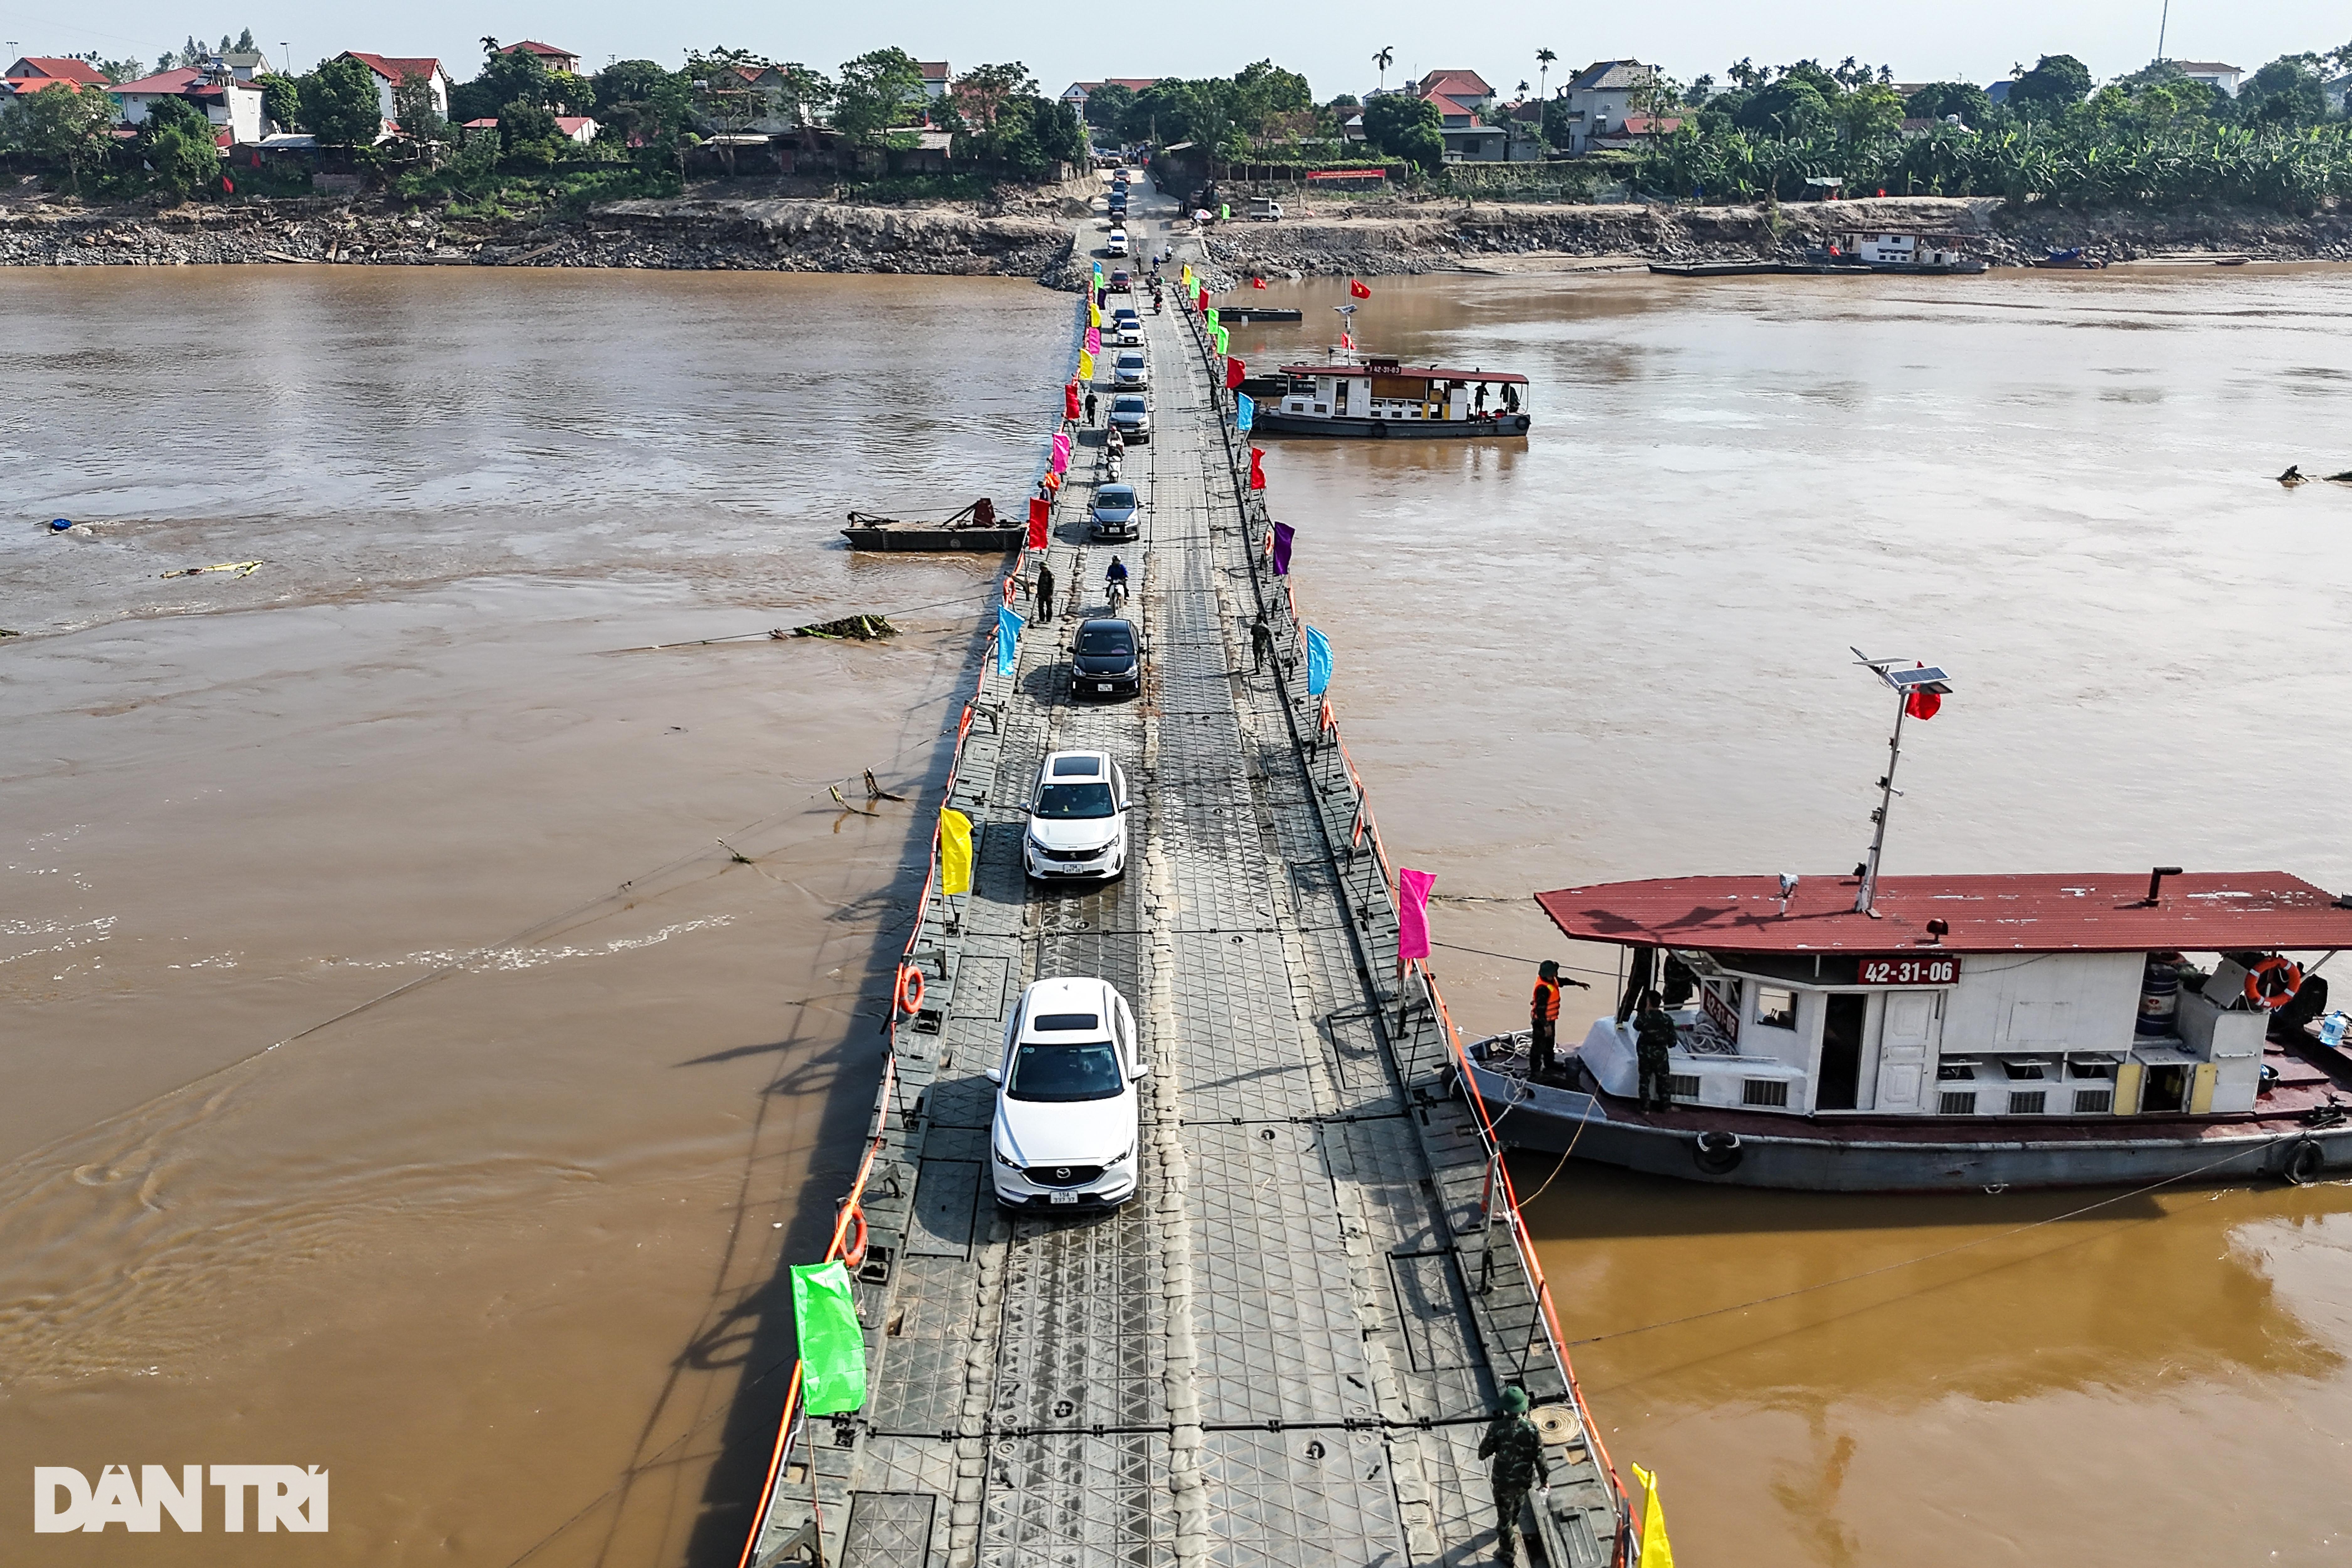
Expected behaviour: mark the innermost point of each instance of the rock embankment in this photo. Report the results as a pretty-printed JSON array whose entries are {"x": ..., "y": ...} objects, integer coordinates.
[
  {"x": 788, "y": 236},
  {"x": 1464, "y": 234}
]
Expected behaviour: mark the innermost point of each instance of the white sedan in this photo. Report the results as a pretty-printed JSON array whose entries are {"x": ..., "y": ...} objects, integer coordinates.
[{"x": 1068, "y": 1114}]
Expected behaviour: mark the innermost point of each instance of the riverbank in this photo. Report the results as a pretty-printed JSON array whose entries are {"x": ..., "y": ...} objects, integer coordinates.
[
  {"x": 696, "y": 232},
  {"x": 1401, "y": 237}
]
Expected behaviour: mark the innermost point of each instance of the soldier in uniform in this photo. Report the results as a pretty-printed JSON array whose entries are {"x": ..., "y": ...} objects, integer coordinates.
[
  {"x": 1517, "y": 1449},
  {"x": 1654, "y": 1036}
]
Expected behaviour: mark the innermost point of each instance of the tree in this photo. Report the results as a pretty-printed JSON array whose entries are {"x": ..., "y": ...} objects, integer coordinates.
[
  {"x": 1872, "y": 109},
  {"x": 1788, "y": 108},
  {"x": 2289, "y": 92},
  {"x": 281, "y": 99},
  {"x": 1965, "y": 99},
  {"x": 414, "y": 109},
  {"x": 1383, "y": 60},
  {"x": 2056, "y": 82},
  {"x": 1745, "y": 75},
  {"x": 338, "y": 104},
  {"x": 876, "y": 91},
  {"x": 523, "y": 122},
  {"x": 984, "y": 92},
  {"x": 1406, "y": 127},
  {"x": 504, "y": 78},
  {"x": 1109, "y": 104},
  {"x": 184, "y": 156},
  {"x": 1264, "y": 93},
  {"x": 1545, "y": 60},
  {"x": 65, "y": 126}
]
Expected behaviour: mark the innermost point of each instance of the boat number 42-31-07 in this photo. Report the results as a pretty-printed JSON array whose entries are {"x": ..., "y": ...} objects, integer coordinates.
[{"x": 1909, "y": 971}]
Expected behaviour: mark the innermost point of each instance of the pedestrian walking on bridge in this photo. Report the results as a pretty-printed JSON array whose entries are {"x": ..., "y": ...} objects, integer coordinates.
[
  {"x": 1261, "y": 643},
  {"x": 1090, "y": 407},
  {"x": 1516, "y": 1447},
  {"x": 1044, "y": 593}
]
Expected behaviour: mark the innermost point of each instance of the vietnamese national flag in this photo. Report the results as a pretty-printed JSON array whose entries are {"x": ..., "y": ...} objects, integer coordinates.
[
  {"x": 1257, "y": 282},
  {"x": 1922, "y": 705},
  {"x": 1356, "y": 289},
  {"x": 1346, "y": 342},
  {"x": 1070, "y": 401},
  {"x": 1234, "y": 371},
  {"x": 1039, "y": 510},
  {"x": 229, "y": 185},
  {"x": 1257, "y": 468}
]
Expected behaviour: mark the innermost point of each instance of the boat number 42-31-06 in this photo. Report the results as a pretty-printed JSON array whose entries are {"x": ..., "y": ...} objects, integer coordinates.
[{"x": 1909, "y": 971}]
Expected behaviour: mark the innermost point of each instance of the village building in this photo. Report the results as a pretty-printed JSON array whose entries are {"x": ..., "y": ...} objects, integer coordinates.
[
  {"x": 1600, "y": 97},
  {"x": 936, "y": 77},
  {"x": 2212, "y": 73},
  {"x": 1077, "y": 92},
  {"x": 561, "y": 61},
  {"x": 391, "y": 70},
  {"x": 54, "y": 68},
  {"x": 233, "y": 106}
]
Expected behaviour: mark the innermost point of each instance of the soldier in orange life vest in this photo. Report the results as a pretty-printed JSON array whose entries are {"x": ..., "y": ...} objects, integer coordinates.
[{"x": 1543, "y": 1019}]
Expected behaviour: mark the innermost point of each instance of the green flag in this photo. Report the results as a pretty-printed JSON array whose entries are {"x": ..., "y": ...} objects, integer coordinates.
[
  {"x": 832, "y": 1347},
  {"x": 1212, "y": 318},
  {"x": 1222, "y": 339}
]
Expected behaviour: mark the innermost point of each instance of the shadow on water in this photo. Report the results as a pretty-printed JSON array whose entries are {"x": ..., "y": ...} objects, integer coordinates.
[{"x": 757, "y": 1323}]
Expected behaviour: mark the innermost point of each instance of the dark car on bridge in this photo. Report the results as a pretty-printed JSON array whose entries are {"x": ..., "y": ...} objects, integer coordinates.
[{"x": 1107, "y": 660}]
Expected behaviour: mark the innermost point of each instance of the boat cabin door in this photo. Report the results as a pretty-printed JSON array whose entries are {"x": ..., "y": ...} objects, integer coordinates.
[
  {"x": 1840, "y": 1082},
  {"x": 1908, "y": 1025}
]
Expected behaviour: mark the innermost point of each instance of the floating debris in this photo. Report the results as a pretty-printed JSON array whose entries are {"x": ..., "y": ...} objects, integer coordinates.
[
  {"x": 839, "y": 800},
  {"x": 60, "y": 524},
  {"x": 875, "y": 792},
  {"x": 856, "y": 628},
  {"x": 242, "y": 568}
]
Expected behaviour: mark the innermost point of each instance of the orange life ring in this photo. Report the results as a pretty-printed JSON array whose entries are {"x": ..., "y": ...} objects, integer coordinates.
[
  {"x": 910, "y": 989},
  {"x": 2271, "y": 983},
  {"x": 854, "y": 1254}
]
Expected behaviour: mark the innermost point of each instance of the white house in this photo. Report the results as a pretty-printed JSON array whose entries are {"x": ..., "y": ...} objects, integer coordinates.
[
  {"x": 936, "y": 77},
  {"x": 2212, "y": 73},
  {"x": 574, "y": 128},
  {"x": 391, "y": 70},
  {"x": 232, "y": 105},
  {"x": 1600, "y": 97}
]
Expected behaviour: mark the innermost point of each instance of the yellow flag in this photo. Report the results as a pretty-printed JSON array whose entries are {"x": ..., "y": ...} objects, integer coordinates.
[
  {"x": 955, "y": 852},
  {"x": 1093, "y": 314},
  {"x": 1085, "y": 365},
  {"x": 1655, "y": 1552}
]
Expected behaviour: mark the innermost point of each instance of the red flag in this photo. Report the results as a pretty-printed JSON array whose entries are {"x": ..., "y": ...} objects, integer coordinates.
[
  {"x": 1356, "y": 288},
  {"x": 1922, "y": 705},
  {"x": 1257, "y": 468},
  {"x": 1205, "y": 298},
  {"x": 1234, "y": 371},
  {"x": 1040, "y": 509},
  {"x": 1070, "y": 401},
  {"x": 1257, "y": 282},
  {"x": 229, "y": 185},
  {"x": 1345, "y": 340}
]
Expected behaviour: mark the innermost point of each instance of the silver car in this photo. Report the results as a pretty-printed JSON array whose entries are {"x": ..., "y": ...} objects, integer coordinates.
[{"x": 1131, "y": 368}]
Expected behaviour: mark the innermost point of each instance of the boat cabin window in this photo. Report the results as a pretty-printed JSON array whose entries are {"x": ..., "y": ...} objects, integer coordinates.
[
  {"x": 1776, "y": 1008},
  {"x": 1956, "y": 1072}
]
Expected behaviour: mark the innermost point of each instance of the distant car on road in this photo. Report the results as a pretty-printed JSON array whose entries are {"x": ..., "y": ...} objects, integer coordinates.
[
  {"x": 1122, "y": 283},
  {"x": 1131, "y": 369},
  {"x": 1117, "y": 243},
  {"x": 1068, "y": 1116},
  {"x": 1128, "y": 334},
  {"x": 1130, "y": 416},
  {"x": 1106, "y": 659},
  {"x": 1116, "y": 513}
]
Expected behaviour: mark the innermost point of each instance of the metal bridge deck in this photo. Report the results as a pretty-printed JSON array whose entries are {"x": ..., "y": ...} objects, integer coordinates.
[{"x": 1277, "y": 1353}]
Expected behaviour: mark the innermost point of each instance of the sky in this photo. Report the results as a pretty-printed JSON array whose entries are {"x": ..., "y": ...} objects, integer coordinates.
[{"x": 1979, "y": 41}]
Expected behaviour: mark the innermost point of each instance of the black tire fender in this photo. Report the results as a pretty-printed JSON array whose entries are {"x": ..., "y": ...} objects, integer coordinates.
[
  {"x": 1717, "y": 1153},
  {"x": 1380, "y": 431},
  {"x": 2302, "y": 1161}
]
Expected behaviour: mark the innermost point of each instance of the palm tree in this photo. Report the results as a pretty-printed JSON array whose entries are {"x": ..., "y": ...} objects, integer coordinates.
[
  {"x": 1384, "y": 59},
  {"x": 1544, "y": 59}
]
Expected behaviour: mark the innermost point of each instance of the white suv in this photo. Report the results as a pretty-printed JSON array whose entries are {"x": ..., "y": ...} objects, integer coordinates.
[
  {"x": 1077, "y": 819},
  {"x": 1067, "y": 1109}
]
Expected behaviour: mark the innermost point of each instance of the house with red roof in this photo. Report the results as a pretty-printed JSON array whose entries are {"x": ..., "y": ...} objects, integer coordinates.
[
  {"x": 1077, "y": 92},
  {"x": 1462, "y": 99},
  {"x": 553, "y": 59},
  {"x": 936, "y": 77},
  {"x": 577, "y": 128},
  {"x": 391, "y": 70},
  {"x": 234, "y": 107},
  {"x": 1466, "y": 88},
  {"x": 56, "y": 67}
]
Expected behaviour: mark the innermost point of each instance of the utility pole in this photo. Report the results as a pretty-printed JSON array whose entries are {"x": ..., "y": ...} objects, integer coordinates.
[
  {"x": 2163, "y": 23},
  {"x": 1908, "y": 686}
]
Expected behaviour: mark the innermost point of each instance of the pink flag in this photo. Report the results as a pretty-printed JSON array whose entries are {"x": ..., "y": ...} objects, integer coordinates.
[
  {"x": 1094, "y": 339},
  {"x": 1412, "y": 913}
]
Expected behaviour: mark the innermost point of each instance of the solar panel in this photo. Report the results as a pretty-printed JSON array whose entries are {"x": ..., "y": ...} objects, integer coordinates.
[{"x": 1931, "y": 677}]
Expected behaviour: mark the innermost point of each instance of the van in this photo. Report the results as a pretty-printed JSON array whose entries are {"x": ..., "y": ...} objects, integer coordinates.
[{"x": 1266, "y": 210}]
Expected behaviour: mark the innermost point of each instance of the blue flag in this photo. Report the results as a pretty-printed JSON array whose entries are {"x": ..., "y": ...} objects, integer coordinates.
[
  {"x": 1248, "y": 414},
  {"x": 1008, "y": 637},
  {"x": 1319, "y": 663}
]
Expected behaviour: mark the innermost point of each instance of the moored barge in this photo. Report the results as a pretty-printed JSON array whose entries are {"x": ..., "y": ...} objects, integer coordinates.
[
  {"x": 1953, "y": 1032},
  {"x": 1379, "y": 398}
]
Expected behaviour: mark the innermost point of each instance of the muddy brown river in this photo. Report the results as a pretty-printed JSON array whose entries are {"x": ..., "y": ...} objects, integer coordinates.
[{"x": 432, "y": 1009}]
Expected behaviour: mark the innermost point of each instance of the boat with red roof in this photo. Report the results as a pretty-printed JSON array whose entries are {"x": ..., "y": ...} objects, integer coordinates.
[
  {"x": 1919, "y": 1034},
  {"x": 1382, "y": 398}
]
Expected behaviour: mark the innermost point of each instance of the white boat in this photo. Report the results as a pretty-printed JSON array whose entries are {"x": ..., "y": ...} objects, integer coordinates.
[{"x": 1379, "y": 398}]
